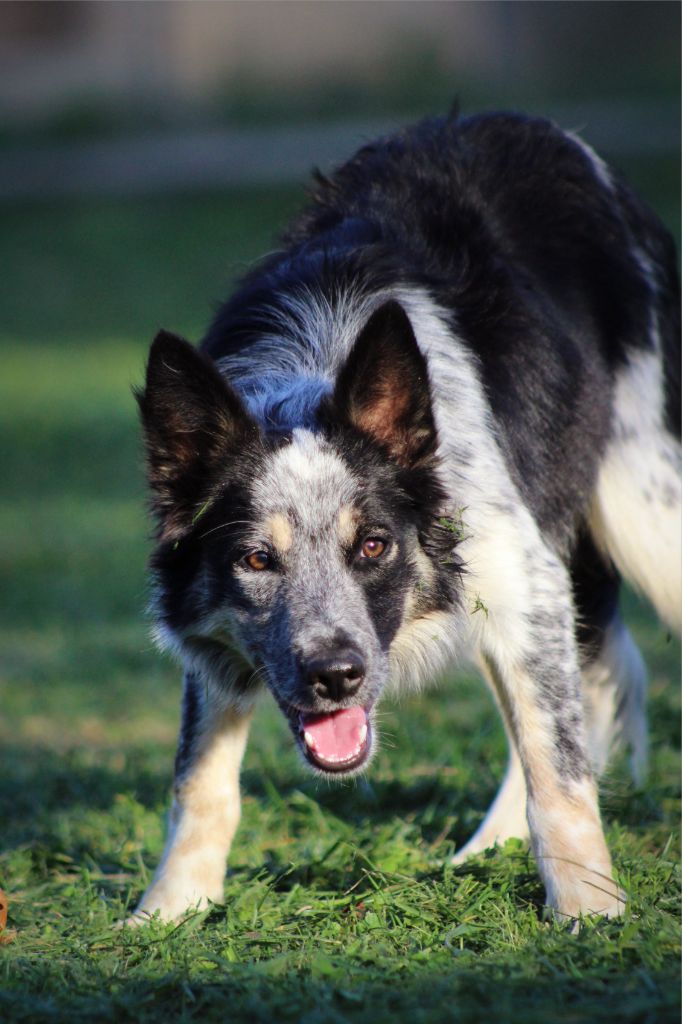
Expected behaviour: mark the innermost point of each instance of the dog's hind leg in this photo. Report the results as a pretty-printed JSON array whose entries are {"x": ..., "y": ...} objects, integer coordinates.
[
  {"x": 205, "y": 811},
  {"x": 636, "y": 515},
  {"x": 506, "y": 817},
  {"x": 614, "y": 688},
  {"x": 613, "y": 673}
]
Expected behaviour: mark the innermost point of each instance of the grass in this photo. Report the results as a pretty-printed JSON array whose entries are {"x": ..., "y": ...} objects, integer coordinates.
[{"x": 340, "y": 901}]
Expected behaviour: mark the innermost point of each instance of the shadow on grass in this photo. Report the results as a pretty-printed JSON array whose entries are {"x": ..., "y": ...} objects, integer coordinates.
[
  {"x": 40, "y": 788},
  {"x": 338, "y": 989},
  {"x": 38, "y": 784},
  {"x": 36, "y": 779}
]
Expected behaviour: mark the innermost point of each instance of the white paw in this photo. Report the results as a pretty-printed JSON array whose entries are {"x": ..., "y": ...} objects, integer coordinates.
[
  {"x": 136, "y": 920},
  {"x": 479, "y": 844},
  {"x": 582, "y": 890},
  {"x": 168, "y": 904},
  {"x": 469, "y": 849}
]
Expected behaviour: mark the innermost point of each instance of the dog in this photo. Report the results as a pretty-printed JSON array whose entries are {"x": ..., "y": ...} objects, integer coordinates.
[{"x": 442, "y": 420}]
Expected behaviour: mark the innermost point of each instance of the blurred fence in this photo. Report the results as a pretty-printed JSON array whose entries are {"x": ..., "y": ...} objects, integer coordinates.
[{"x": 239, "y": 156}]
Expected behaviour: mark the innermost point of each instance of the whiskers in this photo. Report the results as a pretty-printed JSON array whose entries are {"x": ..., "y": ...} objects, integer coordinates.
[
  {"x": 225, "y": 526},
  {"x": 383, "y": 739},
  {"x": 259, "y": 675}
]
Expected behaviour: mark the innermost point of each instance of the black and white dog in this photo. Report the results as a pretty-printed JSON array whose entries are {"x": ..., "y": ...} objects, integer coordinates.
[{"x": 442, "y": 420}]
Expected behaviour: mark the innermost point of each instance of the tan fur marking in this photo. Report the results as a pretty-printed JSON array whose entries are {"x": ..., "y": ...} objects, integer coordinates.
[
  {"x": 425, "y": 566},
  {"x": 279, "y": 529},
  {"x": 346, "y": 525},
  {"x": 418, "y": 598}
]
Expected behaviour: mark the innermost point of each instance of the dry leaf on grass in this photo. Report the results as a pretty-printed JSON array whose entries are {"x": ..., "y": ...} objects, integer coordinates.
[{"x": 5, "y": 936}]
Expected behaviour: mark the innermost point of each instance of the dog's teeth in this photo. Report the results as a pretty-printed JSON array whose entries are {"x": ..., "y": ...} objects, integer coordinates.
[
  {"x": 363, "y": 734},
  {"x": 309, "y": 740}
]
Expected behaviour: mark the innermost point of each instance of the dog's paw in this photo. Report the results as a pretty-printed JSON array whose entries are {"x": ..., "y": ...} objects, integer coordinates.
[
  {"x": 605, "y": 904},
  {"x": 468, "y": 850},
  {"x": 475, "y": 846},
  {"x": 576, "y": 892},
  {"x": 136, "y": 920},
  {"x": 510, "y": 845},
  {"x": 578, "y": 920},
  {"x": 141, "y": 917},
  {"x": 168, "y": 904}
]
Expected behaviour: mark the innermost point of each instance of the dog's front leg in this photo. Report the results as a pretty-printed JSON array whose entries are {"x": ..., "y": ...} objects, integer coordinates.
[
  {"x": 541, "y": 697},
  {"x": 205, "y": 811}
]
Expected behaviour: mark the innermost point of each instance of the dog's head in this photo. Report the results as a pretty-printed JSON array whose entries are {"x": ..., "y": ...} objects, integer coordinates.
[{"x": 297, "y": 557}]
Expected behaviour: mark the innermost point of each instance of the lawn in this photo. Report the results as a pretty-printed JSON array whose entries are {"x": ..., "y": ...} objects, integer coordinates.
[{"x": 340, "y": 903}]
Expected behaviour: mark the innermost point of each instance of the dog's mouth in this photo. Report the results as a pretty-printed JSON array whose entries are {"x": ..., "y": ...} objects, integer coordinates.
[{"x": 336, "y": 741}]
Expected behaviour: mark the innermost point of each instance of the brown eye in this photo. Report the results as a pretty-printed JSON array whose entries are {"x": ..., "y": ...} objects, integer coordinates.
[
  {"x": 258, "y": 560},
  {"x": 373, "y": 547}
]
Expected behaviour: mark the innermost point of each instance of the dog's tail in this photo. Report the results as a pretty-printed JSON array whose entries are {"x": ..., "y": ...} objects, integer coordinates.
[{"x": 636, "y": 515}]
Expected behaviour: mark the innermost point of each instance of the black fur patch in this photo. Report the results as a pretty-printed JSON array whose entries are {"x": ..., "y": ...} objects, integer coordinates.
[{"x": 596, "y": 588}]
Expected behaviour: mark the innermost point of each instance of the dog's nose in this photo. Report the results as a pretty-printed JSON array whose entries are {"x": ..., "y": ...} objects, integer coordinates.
[{"x": 336, "y": 676}]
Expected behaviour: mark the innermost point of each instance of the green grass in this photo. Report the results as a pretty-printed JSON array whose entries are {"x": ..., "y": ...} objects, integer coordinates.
[{"x": 340, "y": 903}]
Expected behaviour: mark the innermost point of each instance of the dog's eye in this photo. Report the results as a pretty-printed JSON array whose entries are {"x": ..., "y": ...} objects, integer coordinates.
[
  {"x": 258, "y": 560},
  {"x": 372, "y": 547}
]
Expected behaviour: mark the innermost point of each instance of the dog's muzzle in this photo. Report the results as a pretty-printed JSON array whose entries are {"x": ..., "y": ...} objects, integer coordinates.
[{"x": 334, "y": 736}]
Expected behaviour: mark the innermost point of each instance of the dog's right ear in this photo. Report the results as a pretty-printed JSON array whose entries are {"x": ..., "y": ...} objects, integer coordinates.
[{"x": 192, "y": 422}]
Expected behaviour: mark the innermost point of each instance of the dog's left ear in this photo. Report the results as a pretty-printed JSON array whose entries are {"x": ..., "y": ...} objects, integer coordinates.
[{"x": 383, "y": 388}]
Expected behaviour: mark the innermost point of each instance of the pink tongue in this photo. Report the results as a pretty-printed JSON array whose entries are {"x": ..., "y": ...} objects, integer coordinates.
[{"x": 335, "y": 738}]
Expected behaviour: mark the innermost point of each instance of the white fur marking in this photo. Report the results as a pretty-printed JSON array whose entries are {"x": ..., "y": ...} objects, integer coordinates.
[{"x": 637, "y": 511}]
